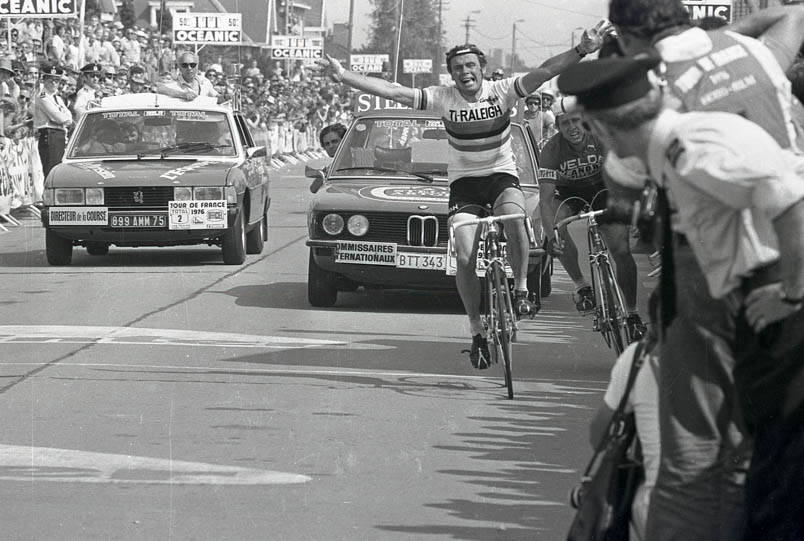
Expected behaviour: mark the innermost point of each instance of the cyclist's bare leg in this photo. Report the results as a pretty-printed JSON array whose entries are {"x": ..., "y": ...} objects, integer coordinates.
[
  {"x": 569, "y": 256},
  {"x": 512, "y": 201},
  {"x": 466, "y": 244},
  {"x": 616, "y": 238}
]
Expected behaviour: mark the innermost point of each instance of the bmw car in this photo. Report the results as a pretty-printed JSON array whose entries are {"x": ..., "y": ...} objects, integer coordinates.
[
  {"x": 150, "y": 170},
  {"x": 380, "y": 219}
]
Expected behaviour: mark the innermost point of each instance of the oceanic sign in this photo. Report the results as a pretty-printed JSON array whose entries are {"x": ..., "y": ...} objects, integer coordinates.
[
  {"x": 207, "y": 28},
  {"x": 38, "y": 8}
]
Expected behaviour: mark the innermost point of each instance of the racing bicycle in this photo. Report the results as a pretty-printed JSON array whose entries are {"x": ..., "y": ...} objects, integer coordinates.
[
  {"x": 609, "y": 313},
  {"x": 498, "y": 315}
]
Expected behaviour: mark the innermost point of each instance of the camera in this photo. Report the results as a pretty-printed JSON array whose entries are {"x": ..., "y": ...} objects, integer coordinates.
[{"x": 640, "y": 213}]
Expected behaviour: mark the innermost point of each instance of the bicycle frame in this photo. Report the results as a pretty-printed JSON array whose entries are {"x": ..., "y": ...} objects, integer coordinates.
[
  {"x": 498, "y": 317},
  {"x": 610, "y": 313}
]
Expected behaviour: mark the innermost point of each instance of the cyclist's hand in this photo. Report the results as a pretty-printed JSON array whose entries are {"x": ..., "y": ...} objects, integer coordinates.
[
  {"x": 555, "y": 247},
  {"x": 332, "y": 66},
  {"x": 764, "y": 306},
  {"x": 592, "y": 38}
]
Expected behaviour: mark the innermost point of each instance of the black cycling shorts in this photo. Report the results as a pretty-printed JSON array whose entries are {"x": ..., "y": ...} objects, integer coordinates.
[
  {"x": 476, "y": 195},
  {"x": 577, "y": 198}
]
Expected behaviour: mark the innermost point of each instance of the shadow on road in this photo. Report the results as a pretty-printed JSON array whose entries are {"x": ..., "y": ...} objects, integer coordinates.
[
  {"x": 294, "y": 295},
  {"x": 122, "y": 258}
]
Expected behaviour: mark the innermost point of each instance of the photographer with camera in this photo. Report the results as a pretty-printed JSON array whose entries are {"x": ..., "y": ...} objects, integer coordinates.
[{"x": 570, "y": 176}]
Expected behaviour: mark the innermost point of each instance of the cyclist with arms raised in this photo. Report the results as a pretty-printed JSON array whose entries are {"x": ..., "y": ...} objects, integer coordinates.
[
  {"x": 481, "y": 170},
  {"x": 571, "y": 172}
]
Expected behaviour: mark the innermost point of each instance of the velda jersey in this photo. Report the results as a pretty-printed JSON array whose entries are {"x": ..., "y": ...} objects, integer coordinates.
[{"x": 563, "y": 165}]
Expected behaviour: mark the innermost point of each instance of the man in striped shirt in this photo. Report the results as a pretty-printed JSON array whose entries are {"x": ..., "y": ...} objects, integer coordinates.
[{"x": 481, "y": 169}]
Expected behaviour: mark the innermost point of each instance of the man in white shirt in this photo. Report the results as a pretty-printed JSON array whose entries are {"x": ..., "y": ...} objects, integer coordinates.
[
  {"x": 189, "y": 84},
  {"x": 739, "y": 200}
]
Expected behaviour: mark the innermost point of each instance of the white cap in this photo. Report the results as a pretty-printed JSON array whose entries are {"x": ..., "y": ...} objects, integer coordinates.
[{"x": 564, "y": 104}]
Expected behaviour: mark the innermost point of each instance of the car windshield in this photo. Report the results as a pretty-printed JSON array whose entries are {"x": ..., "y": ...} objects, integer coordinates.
[
  {"x": 409, "y": 147},
  {"x": 150, "y": 132}
]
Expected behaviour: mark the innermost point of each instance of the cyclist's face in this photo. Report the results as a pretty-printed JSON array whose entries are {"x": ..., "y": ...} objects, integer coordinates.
[
  {"x": 571, "y": 127},
  {"x": 467, "y": 73}
]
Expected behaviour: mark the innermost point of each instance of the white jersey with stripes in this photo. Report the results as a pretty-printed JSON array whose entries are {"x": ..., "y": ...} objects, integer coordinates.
[{"x": 479, "y": 132}]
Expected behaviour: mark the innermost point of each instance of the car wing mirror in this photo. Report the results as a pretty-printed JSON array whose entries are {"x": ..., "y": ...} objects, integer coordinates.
[{"x": 256, "y": 152}]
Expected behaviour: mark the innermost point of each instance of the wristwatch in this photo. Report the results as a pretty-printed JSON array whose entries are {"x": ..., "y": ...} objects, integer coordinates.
[{"x": 579, "y": 51}]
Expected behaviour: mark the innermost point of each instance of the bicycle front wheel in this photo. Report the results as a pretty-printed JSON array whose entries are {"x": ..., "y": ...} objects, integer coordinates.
[
  {"x": 505, "y": 323},
  {"x": 612, "y": 314}
]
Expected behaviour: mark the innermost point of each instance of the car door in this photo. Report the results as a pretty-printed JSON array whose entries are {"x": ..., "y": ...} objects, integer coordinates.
[{"x": 255, "y": 169}]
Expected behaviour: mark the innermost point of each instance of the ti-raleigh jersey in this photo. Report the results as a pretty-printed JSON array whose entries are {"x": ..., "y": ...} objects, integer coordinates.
[
  {"x": 564, "y": 166},
  {"x": 725, "y": 71},
  {"x": 479, "y": 133}
]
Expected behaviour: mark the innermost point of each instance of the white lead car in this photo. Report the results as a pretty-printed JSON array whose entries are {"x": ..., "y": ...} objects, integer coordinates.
[{"x": 150, "y": 170}]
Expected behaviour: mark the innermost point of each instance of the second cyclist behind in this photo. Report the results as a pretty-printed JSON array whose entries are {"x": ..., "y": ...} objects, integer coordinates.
[
  {"x": 570, "y": 174},
  {"x": 481, "y": 167}
]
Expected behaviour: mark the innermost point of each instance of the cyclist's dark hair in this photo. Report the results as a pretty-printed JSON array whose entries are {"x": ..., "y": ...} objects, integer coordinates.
[
  {"x": 632, "y": 114},
  {"x": 466, "y": 48},
  {"x": 338, "y": 128},
  {"x": 647, "y": 18}
]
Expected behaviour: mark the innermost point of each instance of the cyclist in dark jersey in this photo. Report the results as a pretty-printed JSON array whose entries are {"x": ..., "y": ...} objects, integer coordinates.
[{"x": 571, "y": 175}]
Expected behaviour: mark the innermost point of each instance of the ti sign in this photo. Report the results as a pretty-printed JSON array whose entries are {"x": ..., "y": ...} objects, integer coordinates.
[
  {"x": 295, "y": 47},
  {"x": 709, "y": 8},
  {"x": 417, "y": 65},
  {"x": 207, "y": 28},
  {"x": 367, "y": 63},
  {"x": 38, "y": 8}
]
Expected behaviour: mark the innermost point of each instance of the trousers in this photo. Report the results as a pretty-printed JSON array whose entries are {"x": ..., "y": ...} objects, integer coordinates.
[
  {"x": 699, "y": 492},
  {"x": 51, "y": 148}
]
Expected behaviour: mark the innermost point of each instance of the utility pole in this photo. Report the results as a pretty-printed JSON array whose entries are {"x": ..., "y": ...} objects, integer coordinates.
[
  {"x": 513, "y": 46},
  {"x": 351, "y": 26},
  {"x": 469, "y": 23}
]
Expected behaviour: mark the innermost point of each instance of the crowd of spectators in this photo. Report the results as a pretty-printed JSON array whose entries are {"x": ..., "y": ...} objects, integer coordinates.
[{"x": 286, "y": 104}]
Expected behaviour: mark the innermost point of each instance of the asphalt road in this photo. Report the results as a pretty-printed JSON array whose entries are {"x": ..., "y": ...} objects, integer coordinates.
[{"x": 158, "y": 394}]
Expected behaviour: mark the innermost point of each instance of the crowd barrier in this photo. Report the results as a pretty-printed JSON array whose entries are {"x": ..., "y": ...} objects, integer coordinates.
[{"x": 22, "y": 179}]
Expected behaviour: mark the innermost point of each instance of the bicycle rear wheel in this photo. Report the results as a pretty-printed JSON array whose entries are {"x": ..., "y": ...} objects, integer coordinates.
[
  {"x": 505, "y": 322},
  {"x": 611, "y": 325}
]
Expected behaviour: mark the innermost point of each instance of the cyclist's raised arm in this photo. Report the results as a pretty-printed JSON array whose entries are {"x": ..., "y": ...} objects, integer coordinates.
[
  {"x": 781, "y": 28},
  {"x": 372, "y": 85},
  {"x": 591, "y": 40}
]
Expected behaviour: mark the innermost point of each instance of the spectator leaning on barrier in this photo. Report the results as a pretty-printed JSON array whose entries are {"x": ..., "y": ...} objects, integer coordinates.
[
  {"x": 189, "y": 84},
  {"x": 52, "y": 118}
]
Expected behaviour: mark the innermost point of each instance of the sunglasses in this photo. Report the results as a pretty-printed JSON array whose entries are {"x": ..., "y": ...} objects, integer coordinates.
[{"x": 188, "y": 64}]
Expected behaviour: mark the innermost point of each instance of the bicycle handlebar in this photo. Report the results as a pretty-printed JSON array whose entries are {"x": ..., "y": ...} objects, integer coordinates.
[
  {"x": 489, "y": 220},
  {"x": 577, "y": 217}
]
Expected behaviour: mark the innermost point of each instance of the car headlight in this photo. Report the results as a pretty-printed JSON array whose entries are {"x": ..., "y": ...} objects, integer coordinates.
[
  {"x": 69, "y": 196},
  {"x": 357, "y": 225},
  {"x": 332, "y": 224},
  {"x": 208, "y": 193},
  {"x": 182, "y": 193},
  {"x": 94, "y": 196}
]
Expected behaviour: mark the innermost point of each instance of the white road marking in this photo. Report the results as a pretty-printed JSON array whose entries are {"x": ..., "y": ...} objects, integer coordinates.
[
  {"x": 74, "y": 334},
  {"x": 22, "y": 463}
]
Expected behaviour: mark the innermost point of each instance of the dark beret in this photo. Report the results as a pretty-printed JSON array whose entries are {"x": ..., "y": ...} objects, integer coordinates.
[{"x": 608, "y": 82}]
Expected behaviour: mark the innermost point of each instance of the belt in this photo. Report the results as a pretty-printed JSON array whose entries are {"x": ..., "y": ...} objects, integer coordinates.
[
  {"x": 759, "y": 277},
  {"x": 48, "y": 128}
]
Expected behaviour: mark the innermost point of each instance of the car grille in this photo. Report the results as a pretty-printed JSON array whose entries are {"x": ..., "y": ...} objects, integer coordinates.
[
  {"x": 146, "y": 196},
  {"x": 401, "y": 228}
]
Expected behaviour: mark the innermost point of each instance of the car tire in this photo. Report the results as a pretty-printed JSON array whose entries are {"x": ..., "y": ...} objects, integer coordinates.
[
  {"x": 321, "y": 289},
  {"x": 547, "y": 276},
  {"x": 59, "y": 250},
  {"x": 255, "y": 239},
  {"x": 234, "y": 242},
  {"x": 97, "y": 248},
  {"x": 544, "y": 283}
]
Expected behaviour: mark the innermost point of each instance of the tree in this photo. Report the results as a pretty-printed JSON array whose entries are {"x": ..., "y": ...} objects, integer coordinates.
[
  {"x": 166, "y": 22},
  {"x": 420, "y": 37},
  {"x": 127, "y": 16}
]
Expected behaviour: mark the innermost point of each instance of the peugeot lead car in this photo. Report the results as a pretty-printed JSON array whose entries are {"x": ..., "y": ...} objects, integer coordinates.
[
  {"x": 380, "y": 218},
  {"x": 150, "y": 170}
]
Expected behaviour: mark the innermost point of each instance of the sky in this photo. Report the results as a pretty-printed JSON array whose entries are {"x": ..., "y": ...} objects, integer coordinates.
[{"x": 545, "y": 28}]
